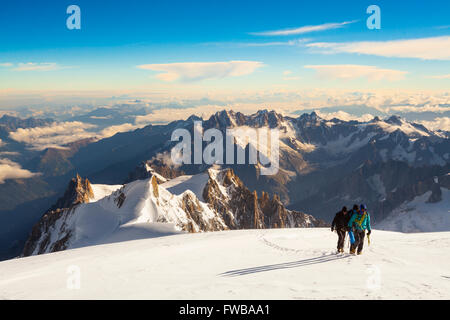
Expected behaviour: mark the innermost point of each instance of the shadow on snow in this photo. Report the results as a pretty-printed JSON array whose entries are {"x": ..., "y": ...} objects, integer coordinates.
[{"x": 286, "y": 265}]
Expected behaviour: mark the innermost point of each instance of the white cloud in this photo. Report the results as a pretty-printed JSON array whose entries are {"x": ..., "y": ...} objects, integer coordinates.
[
  {"x": 101, "y": 117},
  {"x": 53, "y": 136},
  {"x": 434, "y": 48},
  {"x": 171, "y": 114},
  {"x": 59, "y": 134},
  {"x": 342, "y": 115},
  {"x": 351, "y": 71},
  {"x": 165, "y": 158},
  {"x": 287, "y": 76},
  {"x": 304, "y": 29},
  {"x": 296, "y": 42},
  {"x": 112, "y": 130},
  {"x": 9, "y": 153},
  {"x": 31, "y": 66},
  {"x": 443, "y": 76},
  {"x": 442, "y": 123},
  {"x": 422, "y": 108},
  {"x": 12, "y": 170},
  {"x": 193, "y": 71}
]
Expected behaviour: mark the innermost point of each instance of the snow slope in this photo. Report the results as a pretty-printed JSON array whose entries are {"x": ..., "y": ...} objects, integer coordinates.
[
  {"x": 244, "y": 264},
  {"x": 103, "y": 190},
  {"x": 195, "y": 183},
  {"x": 420, "y": 216}
]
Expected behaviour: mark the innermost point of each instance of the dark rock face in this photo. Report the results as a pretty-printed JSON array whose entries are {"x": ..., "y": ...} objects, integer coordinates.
[
  {"x": 120, "y": 199},
  {"x": 381, "y": 186},
  {"x": 444, "y": 181},
  {"x": 238, "y": 207},
  {"x": 194, "y": 212},
  {"x": 242, "y": 209},
  {"x": 78, "y": 191},
  {"x": 436, "y": 193}
]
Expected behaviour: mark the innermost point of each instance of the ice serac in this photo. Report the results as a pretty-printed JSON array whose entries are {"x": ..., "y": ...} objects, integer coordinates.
[{"x": 212, "y": 201}]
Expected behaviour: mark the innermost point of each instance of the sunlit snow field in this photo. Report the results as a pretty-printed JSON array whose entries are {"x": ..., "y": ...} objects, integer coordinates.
[{"x": 246, "y": 264}]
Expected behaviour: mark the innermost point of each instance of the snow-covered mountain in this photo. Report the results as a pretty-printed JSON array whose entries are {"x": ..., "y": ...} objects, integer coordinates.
[
  {"x": 420, "y": 214},
  {"x": 212, "y": 201},
  {"x": 241, "y": 264},
  {"x": 325, "y": 164},
  {"x": 394, "y": 137}
]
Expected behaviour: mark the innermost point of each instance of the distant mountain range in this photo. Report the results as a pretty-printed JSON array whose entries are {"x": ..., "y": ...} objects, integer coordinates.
[
  {"x": 324, "y": 164},
  {"x": 10, "y": 123}
]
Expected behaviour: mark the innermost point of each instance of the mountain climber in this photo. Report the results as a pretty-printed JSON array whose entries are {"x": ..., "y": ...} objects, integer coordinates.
[
  {"x": 354, "y": 210},
  {"x": 339, "y": 224},
  {"x": 358, "y": 223}
]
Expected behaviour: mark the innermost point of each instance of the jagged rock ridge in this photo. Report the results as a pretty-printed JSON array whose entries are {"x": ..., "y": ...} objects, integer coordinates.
[{"x": 224, "y": 203}]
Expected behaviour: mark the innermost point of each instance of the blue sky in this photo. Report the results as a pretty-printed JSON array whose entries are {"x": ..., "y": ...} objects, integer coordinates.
[{"x": 150, "y": 46}]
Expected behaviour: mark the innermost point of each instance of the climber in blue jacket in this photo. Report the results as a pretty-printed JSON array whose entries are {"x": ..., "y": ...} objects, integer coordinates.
[{"x": 359, "y": 223}]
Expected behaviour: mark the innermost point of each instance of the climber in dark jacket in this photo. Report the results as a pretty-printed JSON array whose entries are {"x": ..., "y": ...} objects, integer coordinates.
[{"x": 339, "y": 224}]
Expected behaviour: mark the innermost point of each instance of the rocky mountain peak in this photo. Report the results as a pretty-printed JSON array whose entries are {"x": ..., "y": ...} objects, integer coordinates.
[
  {"x": 222, "y": 119},
  {"x": 396, "y": 120},
  {"x": 79, "y": 190},
  {"x": 308, "y": 120},
  {"x": 272, "y": 119},
  {"x": 244, "y": 209},
  {"x": 193, "y": 118},
  {"x": 228, "y": 118}
]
